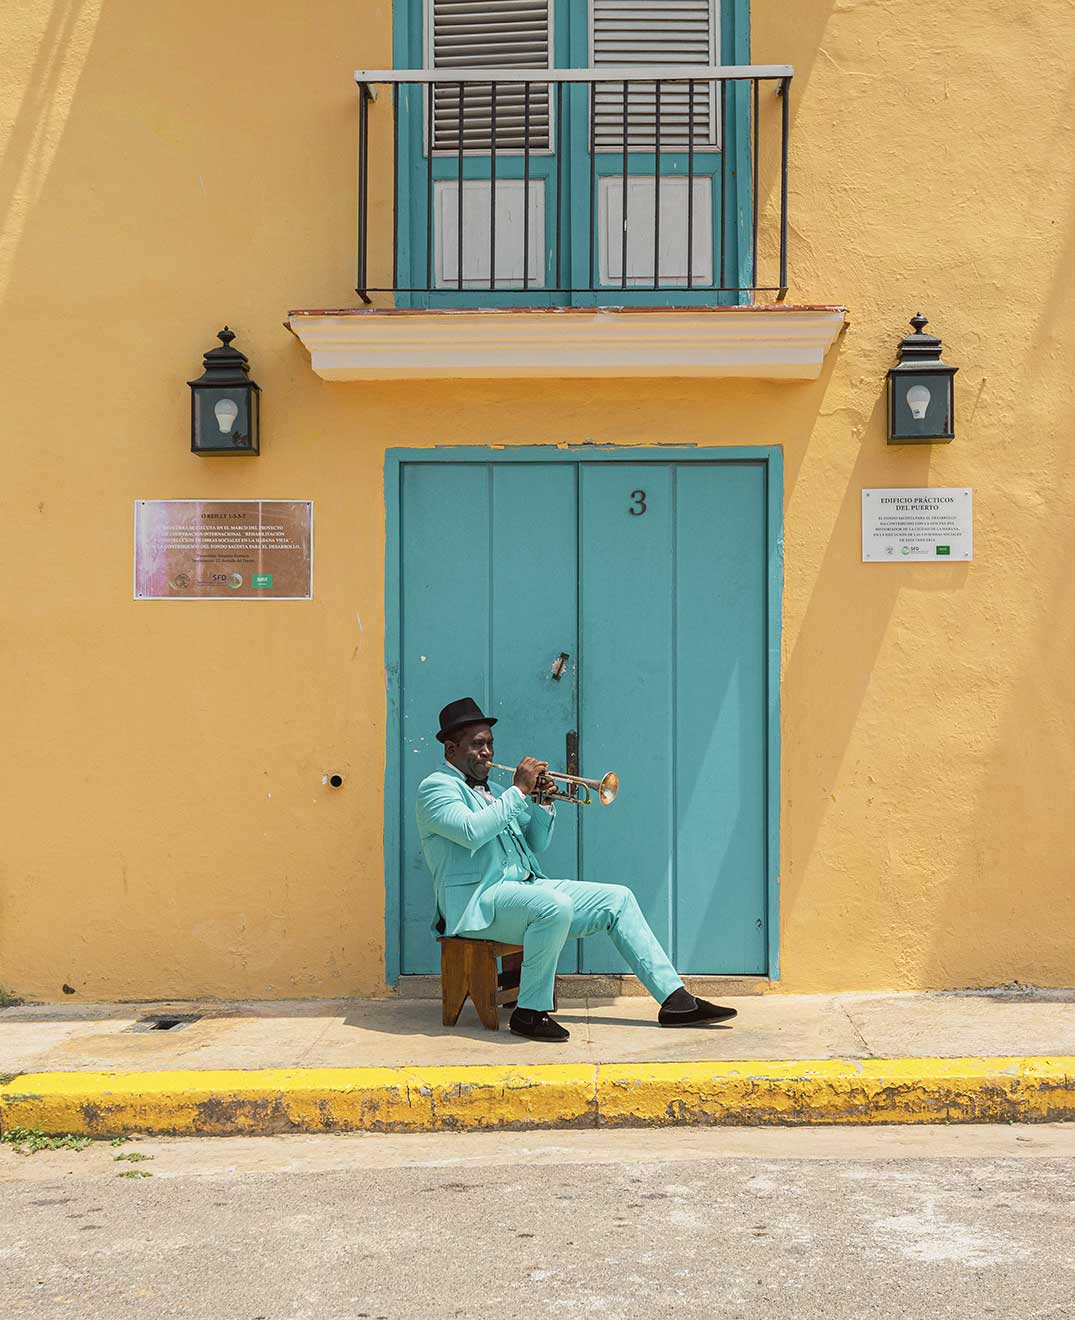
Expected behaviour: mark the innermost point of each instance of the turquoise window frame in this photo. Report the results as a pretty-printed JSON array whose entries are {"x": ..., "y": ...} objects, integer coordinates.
[
  {"x": 771, "y": 457},
  {"x": 727, "y": 172}
]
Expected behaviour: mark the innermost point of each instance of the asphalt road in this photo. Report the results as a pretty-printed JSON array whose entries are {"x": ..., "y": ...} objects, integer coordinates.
[{"x": 959, "y": 1222}]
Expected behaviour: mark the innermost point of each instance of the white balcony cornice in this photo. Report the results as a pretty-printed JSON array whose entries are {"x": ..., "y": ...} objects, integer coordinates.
[{"x": 777, "y": 342}]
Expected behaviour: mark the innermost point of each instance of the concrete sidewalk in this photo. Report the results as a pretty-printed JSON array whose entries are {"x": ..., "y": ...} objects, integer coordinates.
[{"x": 315, "y": 1065}]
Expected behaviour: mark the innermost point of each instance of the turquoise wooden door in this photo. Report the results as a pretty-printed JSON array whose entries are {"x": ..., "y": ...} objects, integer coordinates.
[
  {"x": 656, "y": 578},
  {"x": 564, "y": 235},
  {"x": 672, "y": 646},
  {"x": 483, "y": 614}
]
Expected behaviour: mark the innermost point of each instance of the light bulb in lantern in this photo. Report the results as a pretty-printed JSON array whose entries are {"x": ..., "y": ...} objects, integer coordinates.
[
  {"x": 227, "y": 410},
  {"x": 918, "y": 398}
]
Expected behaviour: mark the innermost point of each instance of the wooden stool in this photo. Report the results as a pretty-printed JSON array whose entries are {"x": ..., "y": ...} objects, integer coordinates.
[{"x": 468, "y": 967}]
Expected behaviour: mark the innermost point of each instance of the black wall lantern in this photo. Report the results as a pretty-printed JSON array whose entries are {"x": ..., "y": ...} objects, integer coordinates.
[
  {"x": 224, "y": 403},
  {"x": 921, "y": 391}
]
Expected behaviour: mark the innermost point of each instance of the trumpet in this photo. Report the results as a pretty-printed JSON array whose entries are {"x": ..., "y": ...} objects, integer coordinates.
[{"x": 577, "y": 790}]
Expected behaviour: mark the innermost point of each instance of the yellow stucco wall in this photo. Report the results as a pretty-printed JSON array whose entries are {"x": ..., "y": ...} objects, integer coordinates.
[{"x": 165, "y": 830}]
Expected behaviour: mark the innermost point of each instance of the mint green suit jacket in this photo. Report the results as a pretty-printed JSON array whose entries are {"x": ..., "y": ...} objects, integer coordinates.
[{"x": 464, "y": 840}]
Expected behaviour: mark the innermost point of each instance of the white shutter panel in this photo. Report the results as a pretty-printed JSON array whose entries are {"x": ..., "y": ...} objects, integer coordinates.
[
  {"x": 626, "y": 32},
  {"x": 470, "y": 34}
]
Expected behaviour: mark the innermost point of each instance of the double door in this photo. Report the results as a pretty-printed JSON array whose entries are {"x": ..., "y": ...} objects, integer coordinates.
[
  {"x": 625, "y": 602},
  {"x": 593, "y": 187}
]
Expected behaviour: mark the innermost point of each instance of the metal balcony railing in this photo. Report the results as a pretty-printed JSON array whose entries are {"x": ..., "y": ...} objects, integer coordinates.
[{"x": 513, "y": 186}]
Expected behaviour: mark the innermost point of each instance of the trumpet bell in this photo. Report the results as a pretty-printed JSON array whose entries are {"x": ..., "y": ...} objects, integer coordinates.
[{"x": 608, "y": 788}]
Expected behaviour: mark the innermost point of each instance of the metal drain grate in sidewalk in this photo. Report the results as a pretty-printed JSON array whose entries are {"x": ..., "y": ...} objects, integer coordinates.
[{"x": 165, "y": 1022}]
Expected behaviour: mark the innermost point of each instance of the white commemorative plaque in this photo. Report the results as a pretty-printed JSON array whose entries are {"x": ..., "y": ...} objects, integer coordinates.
[{"x": 901, "y": 525}]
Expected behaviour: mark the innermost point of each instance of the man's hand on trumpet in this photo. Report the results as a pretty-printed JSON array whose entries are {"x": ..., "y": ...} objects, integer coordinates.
[
  {"x": 527, "y": 774},
  {"x": 545, "y": 791}
]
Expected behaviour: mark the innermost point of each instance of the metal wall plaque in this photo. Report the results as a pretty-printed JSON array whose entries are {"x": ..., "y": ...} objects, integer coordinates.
[
  {"x": 223, "y": 549},
  {"x": 901, "y": 525}
]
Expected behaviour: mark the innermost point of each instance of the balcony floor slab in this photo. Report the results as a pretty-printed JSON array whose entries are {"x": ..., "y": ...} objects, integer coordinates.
[{"x": 769, "y": 342}]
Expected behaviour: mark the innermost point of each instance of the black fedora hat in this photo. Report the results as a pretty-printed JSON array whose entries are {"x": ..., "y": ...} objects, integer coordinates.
[{"x": 458, "y": 714}]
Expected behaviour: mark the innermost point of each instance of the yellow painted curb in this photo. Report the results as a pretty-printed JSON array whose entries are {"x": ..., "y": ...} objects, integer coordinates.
[
  {"x": 300, "y": 1100},
  {"x": 973, "y": 1090}
]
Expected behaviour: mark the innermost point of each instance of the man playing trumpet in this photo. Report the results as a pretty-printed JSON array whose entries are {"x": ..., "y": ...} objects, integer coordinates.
[{"x": 481, "y": 843}]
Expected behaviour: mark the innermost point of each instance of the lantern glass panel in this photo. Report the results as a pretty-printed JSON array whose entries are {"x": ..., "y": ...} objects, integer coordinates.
[
  {"x": 222, "y": 418},
  {"x": 921, "y": 405}
]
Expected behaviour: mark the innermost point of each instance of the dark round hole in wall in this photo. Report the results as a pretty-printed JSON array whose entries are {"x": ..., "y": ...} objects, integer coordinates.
[{"x": 335, "y": 780}]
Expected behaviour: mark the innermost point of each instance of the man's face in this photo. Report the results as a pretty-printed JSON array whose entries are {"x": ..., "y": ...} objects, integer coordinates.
[{"x": 471, "y": 751}]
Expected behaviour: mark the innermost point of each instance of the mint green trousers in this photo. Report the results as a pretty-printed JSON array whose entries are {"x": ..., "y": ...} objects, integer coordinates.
[{"x": 542, "y": 915}]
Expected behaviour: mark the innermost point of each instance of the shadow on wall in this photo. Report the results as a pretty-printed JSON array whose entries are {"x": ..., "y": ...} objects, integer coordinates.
[
  {"x": 783, "y": 34},
  {"x": 840, "y": 636},
  {"x": 1017, "y": 864},
  {"x": 47, "y": 97},
  {"x": 1056, "y": 307}
]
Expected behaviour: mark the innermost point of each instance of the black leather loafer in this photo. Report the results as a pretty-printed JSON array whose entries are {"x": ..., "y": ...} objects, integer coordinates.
[
  {"x": 698, "y": 1016},
  {"x": 536, "y": 1026}
]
